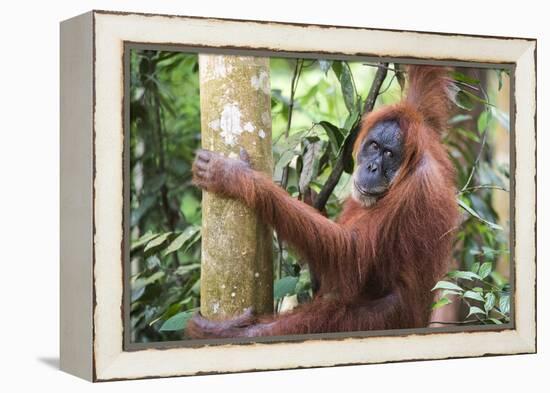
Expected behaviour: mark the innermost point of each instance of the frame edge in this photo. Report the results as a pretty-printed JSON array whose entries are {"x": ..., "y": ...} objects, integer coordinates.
[{"x": 76, "y": 236}]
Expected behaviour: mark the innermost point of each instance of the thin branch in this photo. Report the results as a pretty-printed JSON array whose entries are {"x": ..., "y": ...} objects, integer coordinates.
[
  {"x": 389, "y": 84},
  {"x": 476, "y": 162},
  {"x": 483, "y": 141},
  {"x": 293, "y": 86},
  {"x": 347, "y": 151},
  {"x": 481, "y": 187}
]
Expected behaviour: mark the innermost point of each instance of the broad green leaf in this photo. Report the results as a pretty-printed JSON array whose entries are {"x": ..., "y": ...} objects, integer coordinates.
[
  {"x": 475, "y": 267},
  {"x": 137, "y": 293},
  {"x": 476, "y": 98},
  {"x": 490, "y": 300},
  {"x": 343, "y": 72},
  {"x": 335, "y": 136},
  {"x": 184, "y": 269},
  {"x": 459, "y": 118},
  {"x": 157, "y": 241},
  {"x": 284, "y": 160},
  {"x": 504, "y": 304},
  {"x": 310, "y": 164},
  {"x": 459, "y": 76},
  {"x": 144, "y": 281},
  {"x": 473, "y": 295},
  {"x": 143, "y": 240},
  {"x": 181, "y": 239},
  {"x": 460, "y": 98},
  {"x": 447, "y": 285},
  {"x": 465, "y": 275},
  {"x": 483, "y": 121},
  {"x": 475, "y": 310},
  {"x": 441, "y": 302},
  {"x": 499, "y": 76},
  {"x": 485, "y": 269},
  {"x": 285, "y": 286},
  {"x": 177, "y": 322},
  {"x": 468, "y": 134},
  {"x": 152, "y": 262},
  {"x": 447, "y": 292}
]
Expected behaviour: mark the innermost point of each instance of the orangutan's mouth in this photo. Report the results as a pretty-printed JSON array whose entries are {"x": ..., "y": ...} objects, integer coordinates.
[{"x": 369, "y": 194}]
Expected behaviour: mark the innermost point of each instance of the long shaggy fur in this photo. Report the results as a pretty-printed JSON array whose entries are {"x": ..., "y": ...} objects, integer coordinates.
[{"x": 376, "y": 264}]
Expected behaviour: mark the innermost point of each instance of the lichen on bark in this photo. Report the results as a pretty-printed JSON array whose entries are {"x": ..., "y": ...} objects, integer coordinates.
[{"x": 237, "y": 267}]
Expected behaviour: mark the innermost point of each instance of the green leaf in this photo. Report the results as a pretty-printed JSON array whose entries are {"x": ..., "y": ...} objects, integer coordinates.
[
  {"x": 495, "y": 321},
  {"x": 182, "y": 239},
  {"x": 490, "y": 300},
  {"x": 184, "y": 269},
  {"x": 460, "y": 98},
  {"x": 137, "y": 293},
  {"x": 284, "y": 160},
  {"x": 483, "y": 121},
  {"x": 489, "y": 253},
  {"x": 459, "y": 76},
  {"x": 475, "y": 267},
  {"x": 459, "y": 118},
  {"x": 152, "y": 262},
  {"x": 447, "y": 285},
  {"x": 475, "y": 310},
  {"x": 504, "y": 304},
  {"x": 310, "y": 164},
  {"x": 447, "y": 292},
  {"x": 325, "y": 65},
  {"x": 335, "y": 136},
  {"x": 157, "y": 241},
  {"x": 285, "y": 286},
  {"x": 468, "y": 134},
  {"x": 343, "y": 73},
  {"x": 144, "y": 281},
  {"x": 485, "y": 269},
  {"x": 473, "y": 295},
  {"x": 499, "y": 76},
  {"x": 473, "y": 213},
  {"x": 143, "y": 240},
  {"x": 177, "y": 322},
  {"x": 441, "y": 302},
  {"x": 465, "y": 275}
]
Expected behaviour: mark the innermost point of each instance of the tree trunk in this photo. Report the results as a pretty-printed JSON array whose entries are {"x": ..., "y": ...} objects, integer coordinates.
[{"x": 237, "y": 265}]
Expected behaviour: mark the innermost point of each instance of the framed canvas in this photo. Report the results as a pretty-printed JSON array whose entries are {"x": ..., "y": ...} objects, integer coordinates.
[{"x": 424, "y": 144}]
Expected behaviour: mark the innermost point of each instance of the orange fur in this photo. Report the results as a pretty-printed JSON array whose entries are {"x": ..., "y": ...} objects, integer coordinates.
[{"x": 376, "y": 264}]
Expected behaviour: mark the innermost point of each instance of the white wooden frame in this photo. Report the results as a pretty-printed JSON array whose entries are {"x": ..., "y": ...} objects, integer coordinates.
[{"x": 92, "y": 111}]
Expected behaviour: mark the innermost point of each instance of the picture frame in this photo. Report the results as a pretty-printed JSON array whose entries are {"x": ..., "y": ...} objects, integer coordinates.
[{"x": 93, "y": 246}]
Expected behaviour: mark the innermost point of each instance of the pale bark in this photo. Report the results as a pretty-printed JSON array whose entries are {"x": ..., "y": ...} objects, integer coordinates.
[{"x": 237, "y": 267}]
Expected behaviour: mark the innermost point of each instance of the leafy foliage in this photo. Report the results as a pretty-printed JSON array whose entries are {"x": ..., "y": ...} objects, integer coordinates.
[
  {"x": 315, "y": 105},
  {"x": 165, "y": 207}
]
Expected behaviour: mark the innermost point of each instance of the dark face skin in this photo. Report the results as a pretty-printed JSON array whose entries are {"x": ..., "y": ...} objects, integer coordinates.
[{"x": 378, "y": 161}]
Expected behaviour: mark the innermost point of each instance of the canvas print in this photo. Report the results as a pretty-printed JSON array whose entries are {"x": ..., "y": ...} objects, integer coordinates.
[{"x": 291, "y": 197}]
